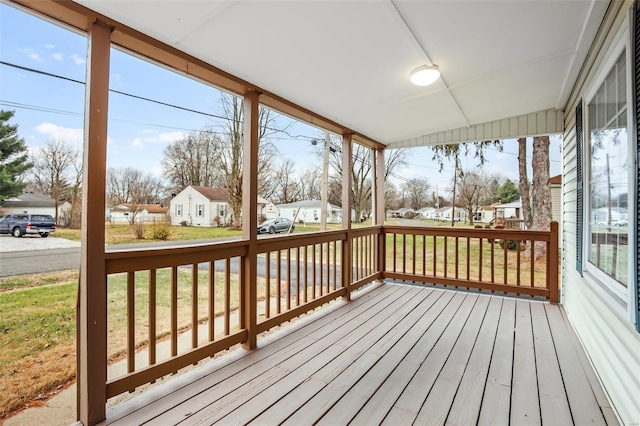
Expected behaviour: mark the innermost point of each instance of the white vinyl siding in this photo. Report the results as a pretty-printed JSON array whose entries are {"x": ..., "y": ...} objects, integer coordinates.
[{"x": 609, "y": 337}]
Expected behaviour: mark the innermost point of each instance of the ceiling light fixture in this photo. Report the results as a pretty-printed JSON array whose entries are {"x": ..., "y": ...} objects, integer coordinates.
[{"x": 425, "y": 75}]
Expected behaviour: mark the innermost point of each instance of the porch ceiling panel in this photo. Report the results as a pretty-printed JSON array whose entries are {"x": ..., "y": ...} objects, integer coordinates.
[{"x": 349, "y": 61}]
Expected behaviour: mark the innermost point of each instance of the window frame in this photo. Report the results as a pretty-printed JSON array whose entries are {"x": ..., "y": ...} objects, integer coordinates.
[{"x": 616, "y": 292}]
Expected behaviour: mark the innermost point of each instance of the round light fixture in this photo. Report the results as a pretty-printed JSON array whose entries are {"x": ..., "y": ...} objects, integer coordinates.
[{"x": 425, "y": 75}]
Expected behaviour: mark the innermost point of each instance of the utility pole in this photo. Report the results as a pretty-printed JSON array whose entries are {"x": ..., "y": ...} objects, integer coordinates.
[{"x": 325, "y": 182}]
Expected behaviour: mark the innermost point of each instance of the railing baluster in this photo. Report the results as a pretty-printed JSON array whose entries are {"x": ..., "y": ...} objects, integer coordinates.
[
  {"x": 413, "y": 242},
  {"x": 493, "y": 263},
  {"x": 174, "y": 311},
  {"x": 212, "y": 301},
  {"x": 152, "y": 316},
  {"x": 194, "y": 305},
  {"x": 435, "y": 254},
  {"x": 446, "y": 253},
  {"x": 288, "y": 262},
  {"x": 506, "y": 260},
  {"x": 321, "y": 270},
  {"x": 306, "y": 273},
  {"x": 328, "y": 269},
  {"x": 518, "y": 264},
  {"x": 404, "y": 253},
  {"x": 297, "y": 276},
  {"x": 424, "y": 255},
  {"x": 395, "y": 253},
  {"x": 131, "y": 321},
  {"x": 457, "y": 258},
  {"x": 267, "y": 285},
  {"x": 480, "y": 260},
  {"x": 313, "y": 289},
  {"x": 533, "y": 262},
  {"x": 468, "y": 257},
  {"x": 335, "y": 265},
  {"x": 279, "y": 281},
  {"x": 227, "y": 297}
]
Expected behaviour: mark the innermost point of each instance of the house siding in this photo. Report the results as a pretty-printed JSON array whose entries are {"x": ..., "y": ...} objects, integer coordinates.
[{"x": 610, "y": 339}]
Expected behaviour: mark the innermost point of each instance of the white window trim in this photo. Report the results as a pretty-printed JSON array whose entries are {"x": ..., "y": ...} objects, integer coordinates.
[{"x": 614, "y": 291}]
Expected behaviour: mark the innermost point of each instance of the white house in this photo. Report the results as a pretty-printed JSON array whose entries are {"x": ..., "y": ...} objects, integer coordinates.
[
  {"x": 308, "y": 211},
  {"x": 444, "y": 214},
  {"x": 427, "y": 213},
  {"x": 206, "y": 206},
  {"x": 144, "y": 213},
  {"x": 35, "y": 203},
  {"x": 485, "y": 214},
  {"x": 509, "y": 210}
]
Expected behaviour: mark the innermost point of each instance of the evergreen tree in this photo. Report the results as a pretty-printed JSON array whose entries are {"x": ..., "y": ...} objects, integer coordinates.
[
  {"x": 509, "y": 192},
  {"x": 13, "y": 158}
]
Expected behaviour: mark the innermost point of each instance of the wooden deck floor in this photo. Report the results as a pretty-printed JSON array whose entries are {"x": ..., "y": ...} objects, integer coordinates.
[{"x": 396, "y": 355}]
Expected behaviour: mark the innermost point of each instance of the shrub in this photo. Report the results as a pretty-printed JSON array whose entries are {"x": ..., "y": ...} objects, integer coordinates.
[
  {"x": 160, "y": 230},
  {"x": 139, "y": 230},
  {"x": 261, "y": 218},
  {"x": 184, "y": 223},
  {"x": 218, "y": 221}
]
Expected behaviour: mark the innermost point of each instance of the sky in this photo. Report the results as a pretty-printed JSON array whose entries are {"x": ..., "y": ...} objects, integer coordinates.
[{"x": 51, "y": 107}]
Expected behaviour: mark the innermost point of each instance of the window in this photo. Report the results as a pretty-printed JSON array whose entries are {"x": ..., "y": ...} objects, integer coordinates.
[
  {"x": 222, "y": 210},
  {"x": 199, "y": 210},
  {"x": 178, "y": 209},
  {"x": 608, "y": 165}
]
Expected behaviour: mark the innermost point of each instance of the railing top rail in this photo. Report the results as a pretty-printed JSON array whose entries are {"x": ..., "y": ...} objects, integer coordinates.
[
  {"x": 503, "y": 234},
  {"x": 300, "y": 240},
  {"x": 145, "y": 259},
  {"x": 369, "y": 230}
]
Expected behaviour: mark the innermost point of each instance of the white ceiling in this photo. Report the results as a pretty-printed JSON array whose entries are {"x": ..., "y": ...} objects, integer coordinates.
[{"x": 350, "y": 60}]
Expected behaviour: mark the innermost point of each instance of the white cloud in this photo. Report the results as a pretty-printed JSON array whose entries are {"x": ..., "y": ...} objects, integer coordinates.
[
  {"x": 78, "y": 59},
  {"x": 69, "y": 135},
  {"x": 57, "y": 56},
  {"x": 49, "y": 46},
  {"x": 171, "y": 136},
  {"x": 137, "y": 143},
  {"x": 32, "y": 54},
  {"x": 157, "y": 171}
]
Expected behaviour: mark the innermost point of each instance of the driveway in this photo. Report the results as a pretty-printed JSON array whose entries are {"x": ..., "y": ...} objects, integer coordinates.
[{"x": 33, "y": 242}]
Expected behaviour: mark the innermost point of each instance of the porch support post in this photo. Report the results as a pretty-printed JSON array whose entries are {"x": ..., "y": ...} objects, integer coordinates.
[
  {"x": 379, "y": 210},
  {"x": 92, "y": 292},
  {"x": 250, "y": 217},
  {"x": 347, "y": 166},
  {"x": 552, "y": 264}
]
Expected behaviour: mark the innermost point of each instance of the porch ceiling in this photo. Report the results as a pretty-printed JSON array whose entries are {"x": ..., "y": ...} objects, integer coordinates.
[{"x": 349, "y": 61}]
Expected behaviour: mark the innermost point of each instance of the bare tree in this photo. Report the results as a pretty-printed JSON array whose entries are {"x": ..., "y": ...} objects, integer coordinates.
[
  {"x": 361, "y": 173},
  {"x": 417, "y": 192},
  {"x": 524, "y": 182},
  {"x": 191, "y": 161},
  {"x": 230, "y": 150},
  {"x": 287, "y": 186},
  {"x": 391, "y": 196},
  {"x": 473, "y": 189},
  {"x": 541, "y": 194},
  {"x": 132, "y": 187},
  {"x": 52, "y": 169},
  {"x": 310, "y": 184}
]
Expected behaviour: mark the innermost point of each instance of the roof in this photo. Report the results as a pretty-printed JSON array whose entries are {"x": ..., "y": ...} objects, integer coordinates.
[
  {"x": 556, "y": 180},
  {"x": 486, "y": 76},
  {"x": 150, "y": 208},
  {"x": 213, "y": 194},
  {"x": 30, "y": 199},
  {"x": 306, "y": 204},
  {"x": 515, "y": 204}
]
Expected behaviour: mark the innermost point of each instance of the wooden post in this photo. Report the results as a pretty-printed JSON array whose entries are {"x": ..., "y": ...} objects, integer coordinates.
[
  {"x": 552, "y": 264},
  {"x": 92, "y": 292},
  {"x": 347, "y": 160},
  {"x": 379, "y": 211},
  {"x": 250, "y": 147}
]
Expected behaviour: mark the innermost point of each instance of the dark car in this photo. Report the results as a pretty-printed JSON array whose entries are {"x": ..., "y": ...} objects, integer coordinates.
[
  {"x": 273, "y": 226},
  {"x": 21, "y": 224}
]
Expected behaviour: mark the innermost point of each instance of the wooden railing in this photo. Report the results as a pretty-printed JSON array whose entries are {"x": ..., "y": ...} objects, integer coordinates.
[
  {"x": 485, "y": 259},
  {"x": 182, "y": 305}
]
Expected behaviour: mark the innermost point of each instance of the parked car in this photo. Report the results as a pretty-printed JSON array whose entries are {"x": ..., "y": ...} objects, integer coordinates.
[
  {"x": 21, "y": 224},
  {"x": 273, "y": 226},
  {"x": 615, "y": 223}
]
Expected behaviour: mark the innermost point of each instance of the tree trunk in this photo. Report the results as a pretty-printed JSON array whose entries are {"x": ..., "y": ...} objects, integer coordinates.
[
  {"x": 524, "y": 182},
  {"x": 541, "y": 194}
]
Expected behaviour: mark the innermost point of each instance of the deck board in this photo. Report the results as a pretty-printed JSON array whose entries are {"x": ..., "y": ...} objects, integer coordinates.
[{"x": 396, "y": 354}]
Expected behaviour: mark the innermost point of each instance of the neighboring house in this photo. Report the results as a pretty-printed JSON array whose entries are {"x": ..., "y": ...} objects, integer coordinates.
[
  {"x": 34, "y": 203},
  {"x": 486, "y": 214},
  {"x": 509, "y": 210},
  {"x": 405, "y": 212},
  {"x": 601, "y": 214},
  {"x": 444, "y": 214},
  {"x": 144, "y": 213},
  {"x": 427, "y": 213},
  {"x": 207, "y": 206},
  {"x": 308, "y": 211}
]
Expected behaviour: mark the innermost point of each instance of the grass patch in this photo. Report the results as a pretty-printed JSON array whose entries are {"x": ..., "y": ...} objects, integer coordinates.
[
  {"x": 38, "y": 343},
  {"x": 38, "y": 280}
]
